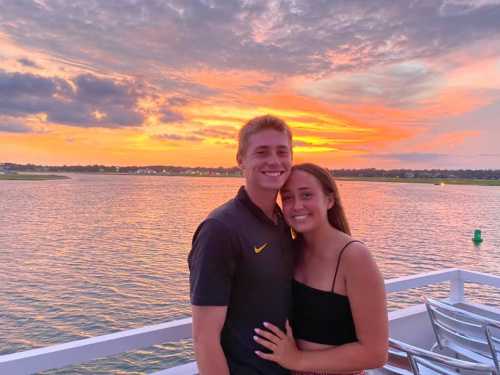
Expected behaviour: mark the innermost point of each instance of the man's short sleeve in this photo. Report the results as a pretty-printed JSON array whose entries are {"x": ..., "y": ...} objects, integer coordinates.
[{"x": 212, "y": 262}]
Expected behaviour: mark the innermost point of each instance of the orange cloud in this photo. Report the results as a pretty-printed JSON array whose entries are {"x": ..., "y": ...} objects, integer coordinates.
[
  {"x": 227, "y": 80},
  {"x": 447, "y": 142},
  {"x": 205, "y": 134}
]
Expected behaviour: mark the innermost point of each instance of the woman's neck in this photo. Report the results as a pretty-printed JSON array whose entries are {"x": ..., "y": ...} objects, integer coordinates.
[{"x": 318, "y": 242}]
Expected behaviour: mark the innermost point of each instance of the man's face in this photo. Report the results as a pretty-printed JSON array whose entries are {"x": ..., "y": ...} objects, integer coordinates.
[{"x": 267, "y": 161}]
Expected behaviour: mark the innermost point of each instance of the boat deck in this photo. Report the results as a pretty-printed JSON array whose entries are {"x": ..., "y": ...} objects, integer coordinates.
[{"x": 410, "y": 325}]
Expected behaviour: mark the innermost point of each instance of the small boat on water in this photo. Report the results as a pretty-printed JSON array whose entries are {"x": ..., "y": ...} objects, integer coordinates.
[{"x": 410, "y": 325}]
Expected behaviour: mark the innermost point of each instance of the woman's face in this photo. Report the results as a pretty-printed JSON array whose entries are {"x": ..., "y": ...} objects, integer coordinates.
[{"x": 304, "y": 202}]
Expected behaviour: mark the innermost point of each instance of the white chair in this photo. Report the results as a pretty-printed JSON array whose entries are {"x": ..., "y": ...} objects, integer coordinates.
[
  {"x": 424, "y": 362},
  {"x": 468, "y": 335}
]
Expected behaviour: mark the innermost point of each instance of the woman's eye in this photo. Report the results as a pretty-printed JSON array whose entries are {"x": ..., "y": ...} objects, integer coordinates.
[{"x": 306, "y": 195}]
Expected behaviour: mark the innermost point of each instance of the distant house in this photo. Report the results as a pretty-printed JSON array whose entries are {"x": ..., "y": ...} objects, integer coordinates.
[
  {"x": 5, "y": 171},
  {"x": 145, "y": 171}
]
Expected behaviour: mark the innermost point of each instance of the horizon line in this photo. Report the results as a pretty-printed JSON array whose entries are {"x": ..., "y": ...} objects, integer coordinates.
[{"x": 3, "y": 164}]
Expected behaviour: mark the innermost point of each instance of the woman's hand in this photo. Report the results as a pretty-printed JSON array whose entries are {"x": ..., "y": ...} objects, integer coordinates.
[{"x": 282, "y": 345}]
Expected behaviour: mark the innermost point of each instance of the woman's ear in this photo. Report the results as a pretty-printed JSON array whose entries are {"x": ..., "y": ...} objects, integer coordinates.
[{"x": 330, "y": 200}]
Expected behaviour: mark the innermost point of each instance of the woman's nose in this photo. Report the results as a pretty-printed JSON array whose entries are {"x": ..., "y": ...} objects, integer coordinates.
[{"x": 297, "y": 204}]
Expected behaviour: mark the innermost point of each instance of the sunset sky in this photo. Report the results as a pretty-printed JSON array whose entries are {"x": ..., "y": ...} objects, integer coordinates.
[{"x": 384, "y": 84}]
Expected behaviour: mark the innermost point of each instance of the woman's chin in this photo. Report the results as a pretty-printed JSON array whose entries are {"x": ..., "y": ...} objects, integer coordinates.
[{"x": 301, "y": 228}]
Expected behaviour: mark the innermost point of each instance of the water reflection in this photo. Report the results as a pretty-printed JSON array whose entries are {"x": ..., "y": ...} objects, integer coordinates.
[{"x": 97, "y": 254}]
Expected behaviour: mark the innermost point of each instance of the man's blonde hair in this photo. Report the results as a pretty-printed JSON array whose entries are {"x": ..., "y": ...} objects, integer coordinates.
[{"x": 258, "y": 124}]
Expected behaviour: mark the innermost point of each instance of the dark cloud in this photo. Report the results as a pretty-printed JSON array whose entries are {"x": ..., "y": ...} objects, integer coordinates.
[
  {"x": 408, "y": 157},
  {"x": 170, "y": 116},
  {"x": 177, "y": 137},
  {"x": 13, "y": 127},
  {"x": 287, "y": 37},
  {"x": 177, "y": 101},
  {"x": 462, "y": 7},
  {"x": 27, "y": 62},
  {"x": 89, "y": 101},
  {"x": 19, "y": 84},
  {"x": 91, "y": 89}
]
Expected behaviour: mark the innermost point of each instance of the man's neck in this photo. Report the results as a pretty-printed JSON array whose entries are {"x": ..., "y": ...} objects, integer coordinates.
[{"x": 264, "y": 199}]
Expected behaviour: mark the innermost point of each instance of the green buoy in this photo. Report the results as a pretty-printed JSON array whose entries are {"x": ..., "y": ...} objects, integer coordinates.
[{"x": 477, "y": 237}]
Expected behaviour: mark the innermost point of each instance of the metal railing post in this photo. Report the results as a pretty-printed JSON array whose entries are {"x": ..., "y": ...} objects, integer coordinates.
[{"x": 456, "y": 288}]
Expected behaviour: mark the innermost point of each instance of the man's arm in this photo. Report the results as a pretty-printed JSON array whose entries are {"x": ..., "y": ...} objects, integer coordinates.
[
  {"x": 207, "y": 326},
  {"x": 211, "y": 264}
]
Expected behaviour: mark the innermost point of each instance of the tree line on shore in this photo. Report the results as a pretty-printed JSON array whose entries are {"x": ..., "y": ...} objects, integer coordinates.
[{"x": 488, "y": 174}]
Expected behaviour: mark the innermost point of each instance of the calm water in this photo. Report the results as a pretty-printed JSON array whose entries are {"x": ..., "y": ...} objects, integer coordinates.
[{"x": 97, "y": 254}]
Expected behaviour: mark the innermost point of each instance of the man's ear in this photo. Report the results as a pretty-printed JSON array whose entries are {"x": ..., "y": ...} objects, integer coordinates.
[
  {"x": 239, "y": 160},
  {"x": 241, "y": 166}
]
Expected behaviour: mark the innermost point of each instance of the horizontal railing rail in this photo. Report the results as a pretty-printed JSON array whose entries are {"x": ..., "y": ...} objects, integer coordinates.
[{"x": 80, "y": 351}]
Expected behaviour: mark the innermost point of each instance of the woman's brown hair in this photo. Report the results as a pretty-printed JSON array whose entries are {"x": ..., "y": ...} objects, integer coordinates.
[{"x": 336, "y": 214}]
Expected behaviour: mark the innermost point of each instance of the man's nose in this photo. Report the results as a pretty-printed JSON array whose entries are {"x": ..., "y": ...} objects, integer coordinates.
[{"x": 273, "y": 158}]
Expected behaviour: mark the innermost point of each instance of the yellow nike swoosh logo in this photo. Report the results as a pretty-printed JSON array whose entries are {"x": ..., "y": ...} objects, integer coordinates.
[{"x": 259, "y": 249}]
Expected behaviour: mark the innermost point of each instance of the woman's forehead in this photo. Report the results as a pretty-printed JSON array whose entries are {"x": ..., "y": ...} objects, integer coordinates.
[{"x": 299, "y": 179}]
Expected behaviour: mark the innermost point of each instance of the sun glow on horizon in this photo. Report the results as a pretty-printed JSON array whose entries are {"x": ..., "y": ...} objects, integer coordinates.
[{"x": 171, "y": 89}]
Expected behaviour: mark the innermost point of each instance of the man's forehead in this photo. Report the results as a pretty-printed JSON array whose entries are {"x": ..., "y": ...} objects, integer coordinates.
[{"x": 269, "y": 138}]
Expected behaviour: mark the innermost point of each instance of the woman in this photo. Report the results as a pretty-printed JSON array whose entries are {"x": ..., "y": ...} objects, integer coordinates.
[{"x": 339, "y": 317}]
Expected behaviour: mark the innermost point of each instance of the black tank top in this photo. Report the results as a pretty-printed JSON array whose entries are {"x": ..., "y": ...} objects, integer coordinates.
[{"x": 322, "y": 316}]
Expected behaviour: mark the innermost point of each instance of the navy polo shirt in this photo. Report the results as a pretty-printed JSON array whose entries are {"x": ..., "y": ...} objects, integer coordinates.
[{"x": 243, "y": 260}]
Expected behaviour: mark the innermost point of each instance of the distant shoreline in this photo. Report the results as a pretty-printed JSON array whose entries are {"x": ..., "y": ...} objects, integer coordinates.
[
  {"x": 31, "y": 177},
  {"x": 408, "y": 180},
  {"x": 434, "y": 181}
]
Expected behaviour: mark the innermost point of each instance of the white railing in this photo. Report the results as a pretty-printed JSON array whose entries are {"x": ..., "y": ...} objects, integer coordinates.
[{"x": 80, "y": 351}]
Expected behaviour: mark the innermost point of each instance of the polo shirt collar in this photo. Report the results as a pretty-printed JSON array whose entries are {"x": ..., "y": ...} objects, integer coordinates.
[{"x": 244, "y": 198}]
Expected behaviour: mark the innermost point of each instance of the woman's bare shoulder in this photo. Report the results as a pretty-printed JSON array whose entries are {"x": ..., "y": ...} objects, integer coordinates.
[{"x": 357, "y": 254}]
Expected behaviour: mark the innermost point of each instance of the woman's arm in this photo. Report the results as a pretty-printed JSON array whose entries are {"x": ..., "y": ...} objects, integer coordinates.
[{"x": 366, "y": 292}]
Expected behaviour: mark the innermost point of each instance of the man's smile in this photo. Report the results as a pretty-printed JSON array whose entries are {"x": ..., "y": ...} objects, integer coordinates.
[{"x": 273, "y": 173}]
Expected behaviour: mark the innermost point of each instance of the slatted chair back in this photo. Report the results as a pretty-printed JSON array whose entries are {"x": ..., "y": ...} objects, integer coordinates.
[
  {"x": 424, "y": 362},
  {"x": 470, "y": 335}
]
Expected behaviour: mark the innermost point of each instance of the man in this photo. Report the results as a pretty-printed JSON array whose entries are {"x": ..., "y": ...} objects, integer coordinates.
[{"x": 241, "y": 260}]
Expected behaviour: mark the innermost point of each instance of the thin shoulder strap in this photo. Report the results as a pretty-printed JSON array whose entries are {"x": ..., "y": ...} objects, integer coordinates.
[{"x": 338, "y": 260}]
